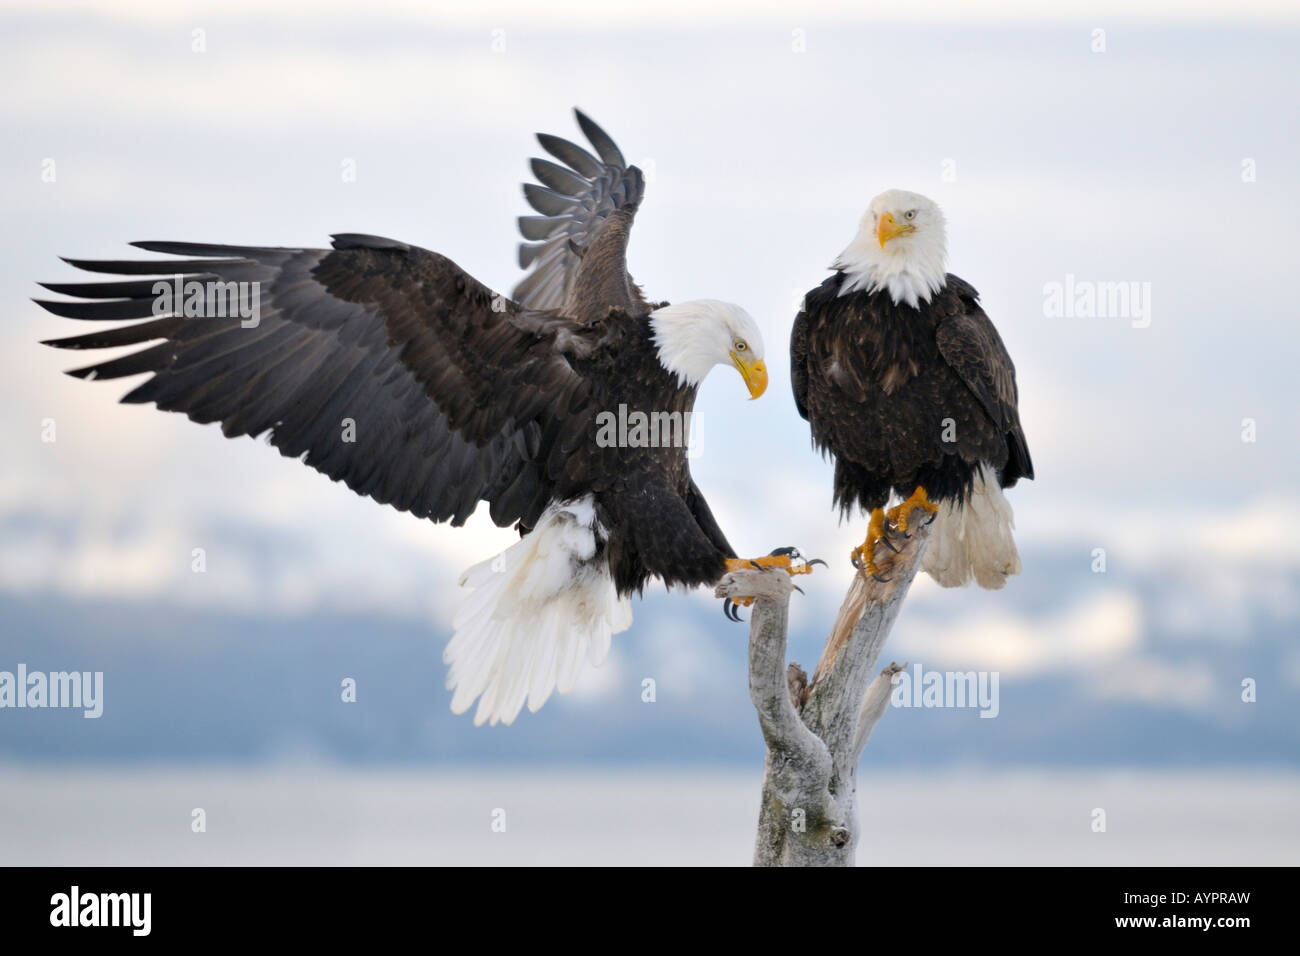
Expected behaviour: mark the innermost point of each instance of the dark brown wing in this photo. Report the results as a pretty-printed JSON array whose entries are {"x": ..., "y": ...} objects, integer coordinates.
[
  {"x": 577, "y": 248},
  {"x": 382, "y": 365},
  {"x": 799, "y": 362},
  {"x": 971, "y": 346}
]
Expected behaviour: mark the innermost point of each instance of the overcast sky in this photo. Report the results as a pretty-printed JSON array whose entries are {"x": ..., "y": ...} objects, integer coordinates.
[{"x": 1096, "y": 146}]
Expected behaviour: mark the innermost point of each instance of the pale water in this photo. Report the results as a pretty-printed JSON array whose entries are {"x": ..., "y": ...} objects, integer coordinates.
[{"x": 308, "y": 815}]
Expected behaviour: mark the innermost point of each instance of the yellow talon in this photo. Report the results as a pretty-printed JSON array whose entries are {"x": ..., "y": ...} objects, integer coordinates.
[
  {"x": 784, "y": 558},
  {"x": 788, "y": 560},
  {"x": 899, "y": 514},
  {"x": 864, "y": 555}
]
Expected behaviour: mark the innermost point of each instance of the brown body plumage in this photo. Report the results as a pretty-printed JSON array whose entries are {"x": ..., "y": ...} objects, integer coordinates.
[{"x": 905, "y": 396}]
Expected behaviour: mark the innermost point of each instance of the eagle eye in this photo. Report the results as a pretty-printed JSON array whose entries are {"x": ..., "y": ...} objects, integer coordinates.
[
  {"x": 740, "y": 345},
  {"x": 910, "y": 214}
]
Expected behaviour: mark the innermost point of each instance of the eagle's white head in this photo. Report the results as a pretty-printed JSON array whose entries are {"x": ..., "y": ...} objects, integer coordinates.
[
  {"x": 901, "y": 246},
  {"x": 692, "y": 337}
]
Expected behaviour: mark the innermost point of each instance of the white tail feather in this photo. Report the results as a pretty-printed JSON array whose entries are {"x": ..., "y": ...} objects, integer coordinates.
[
  {"x": 535, "y": 612},
  {"x": 974, "y": 540}
]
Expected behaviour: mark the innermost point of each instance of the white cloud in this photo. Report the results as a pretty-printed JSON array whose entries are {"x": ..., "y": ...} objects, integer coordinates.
[
  {"x": 1187, "y": 684},
  {"x": 1212, "y": 538},
  {"x": 1090, "y": 634},
  {"x": 380, "y": 92},
  {"x": 1101, "y": 643}
]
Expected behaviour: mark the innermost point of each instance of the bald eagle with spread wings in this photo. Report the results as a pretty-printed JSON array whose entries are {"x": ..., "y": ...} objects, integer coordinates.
[
  {"x": 389, "y": 368},
  {"x": 905, "y": 381}
]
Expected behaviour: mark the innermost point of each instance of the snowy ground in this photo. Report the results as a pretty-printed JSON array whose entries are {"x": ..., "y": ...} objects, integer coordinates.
[{"x": 670, "y": 816}]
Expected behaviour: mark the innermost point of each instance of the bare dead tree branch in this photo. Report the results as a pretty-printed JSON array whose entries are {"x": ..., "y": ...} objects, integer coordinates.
[{"x": 815, "y": 730}]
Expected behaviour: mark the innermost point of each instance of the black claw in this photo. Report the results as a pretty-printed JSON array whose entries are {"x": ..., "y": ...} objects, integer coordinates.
[
  {"x": 797, "y": 588},
  {"x": 755, "y": 564},
  {"x": 818, "y": 561},
  {"x": 880, "y": 579},
  {"x": 727, "y": 606},
  {"x": 931, "y": 521},
  {"x": 792, "y": 553},
  {"x": 888, "y": 544}
]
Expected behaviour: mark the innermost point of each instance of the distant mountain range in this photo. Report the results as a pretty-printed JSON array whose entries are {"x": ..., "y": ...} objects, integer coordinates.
[{"x": 184, "y": 683}]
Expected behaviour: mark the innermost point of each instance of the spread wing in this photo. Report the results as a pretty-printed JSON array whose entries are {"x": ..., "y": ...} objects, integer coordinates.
[
  {"x": 382, "y": 365},
  {"x": 577, "y": 247},
  {"x": 971, "y": 346}
]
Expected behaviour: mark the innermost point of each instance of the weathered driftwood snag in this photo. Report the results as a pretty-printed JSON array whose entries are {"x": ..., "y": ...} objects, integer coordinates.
[{"x": 815, "y": 730}]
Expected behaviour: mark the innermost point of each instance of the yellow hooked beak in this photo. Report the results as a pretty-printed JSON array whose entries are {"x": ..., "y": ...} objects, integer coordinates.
[
  {"x": 887, "y": 229},
  {"x": 754, "y": 374}
]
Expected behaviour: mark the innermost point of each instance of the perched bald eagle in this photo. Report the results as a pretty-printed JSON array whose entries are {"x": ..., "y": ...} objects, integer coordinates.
[
  {"x": 389, "y": 368},
  {"x": 905, "y": 381}
]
